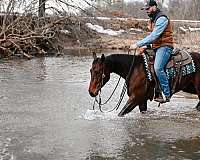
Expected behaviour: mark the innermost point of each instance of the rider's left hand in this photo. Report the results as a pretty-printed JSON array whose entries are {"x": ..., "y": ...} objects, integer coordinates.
[
  {"x": 133, "y": 46},
  {"x": 142, "y": 49}
]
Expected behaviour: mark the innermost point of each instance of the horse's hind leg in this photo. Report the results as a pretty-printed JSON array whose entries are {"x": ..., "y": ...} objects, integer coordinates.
[
  {"x": 143, "y": 106},
  {"x": 197, "y": 86}
]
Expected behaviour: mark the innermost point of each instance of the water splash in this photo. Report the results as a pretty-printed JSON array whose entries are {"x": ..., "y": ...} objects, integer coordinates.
[
  {"x": 97, "y": 114},
  {"x": 4, "y": 150}
]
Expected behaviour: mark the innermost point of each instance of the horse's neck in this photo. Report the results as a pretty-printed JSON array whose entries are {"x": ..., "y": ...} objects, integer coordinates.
[
  {"x": 120, "y": 71},
  {"x": 119, "y": 65}
]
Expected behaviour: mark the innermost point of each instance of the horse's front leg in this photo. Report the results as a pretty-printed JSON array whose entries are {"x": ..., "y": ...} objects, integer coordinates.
[
  {"x": 130, "y": 105},
  {"x": 197, "y": 86},
  {"x": 136, "y": 91}
]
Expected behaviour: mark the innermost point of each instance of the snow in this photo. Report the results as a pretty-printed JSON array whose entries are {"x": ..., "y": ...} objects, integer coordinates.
[
  {"x": 111, "y": 32},
  {"x": 65, "y": 31},
  {"x": 190, "y": 29},
  {"x": 193, "y": 29},
  {"x": 135, "y": 30},
  {"x": 100, "y": 29}
]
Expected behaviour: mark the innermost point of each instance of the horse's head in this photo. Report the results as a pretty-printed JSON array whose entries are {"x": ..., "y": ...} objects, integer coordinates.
[{"x": 100, "y": 74}]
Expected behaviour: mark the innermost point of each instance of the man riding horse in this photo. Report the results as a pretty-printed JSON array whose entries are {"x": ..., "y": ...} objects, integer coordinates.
[
  {"x": 161, "y": 38},
  {"x": 183, "y": 69}
]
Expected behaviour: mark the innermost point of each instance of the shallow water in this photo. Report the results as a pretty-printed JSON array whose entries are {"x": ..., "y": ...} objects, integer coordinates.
[{"x": 46, "y": 114}]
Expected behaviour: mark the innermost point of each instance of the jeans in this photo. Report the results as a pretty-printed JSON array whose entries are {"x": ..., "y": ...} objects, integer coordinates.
[{"x": 162, "y": 56}]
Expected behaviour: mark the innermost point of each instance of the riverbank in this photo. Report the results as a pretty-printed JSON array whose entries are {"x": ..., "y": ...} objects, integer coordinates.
[
  {"x": 186, "y": 33},
  {"x": 61, "y": 33}
]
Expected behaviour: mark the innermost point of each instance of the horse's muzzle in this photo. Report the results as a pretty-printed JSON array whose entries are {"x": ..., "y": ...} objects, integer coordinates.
[{"x": 92, "y": 94}]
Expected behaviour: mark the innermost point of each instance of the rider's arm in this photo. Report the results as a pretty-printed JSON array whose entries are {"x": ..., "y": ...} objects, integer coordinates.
[{"x": 160, "y": 26}]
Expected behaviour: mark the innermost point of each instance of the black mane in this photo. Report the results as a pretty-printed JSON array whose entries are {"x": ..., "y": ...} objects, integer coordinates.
[
  {"x": 123, "y": 59},
  {"x": 121, "y": 63}
]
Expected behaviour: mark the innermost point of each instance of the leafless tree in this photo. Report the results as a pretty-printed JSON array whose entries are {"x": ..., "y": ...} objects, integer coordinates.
[
  {"x": 41, "y": 11},
  {"x": 26, "y": 34}
]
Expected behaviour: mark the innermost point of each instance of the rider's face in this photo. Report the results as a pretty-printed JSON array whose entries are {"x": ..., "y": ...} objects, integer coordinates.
[{"x": 150, "y": 9}]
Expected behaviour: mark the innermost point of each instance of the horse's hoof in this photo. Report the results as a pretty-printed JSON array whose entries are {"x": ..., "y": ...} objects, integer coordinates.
[
  {"x": 121, "y": 115},
  {"x": 143, "y": 112},
  {"x": 123, "y": 111},
  {"x": 198, "y": 108}
]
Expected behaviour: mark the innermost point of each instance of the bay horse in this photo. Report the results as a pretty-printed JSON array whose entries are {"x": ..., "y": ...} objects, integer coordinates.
[{"x": 139, "y": 88}]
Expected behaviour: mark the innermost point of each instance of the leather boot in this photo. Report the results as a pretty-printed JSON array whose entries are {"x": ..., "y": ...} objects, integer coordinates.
[{"x": 162, "y": 99}]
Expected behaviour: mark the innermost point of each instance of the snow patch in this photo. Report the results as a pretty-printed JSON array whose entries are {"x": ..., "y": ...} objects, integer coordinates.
[{"x": 100, "y": 29}]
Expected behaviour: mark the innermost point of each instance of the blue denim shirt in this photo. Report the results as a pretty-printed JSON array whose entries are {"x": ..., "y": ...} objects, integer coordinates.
[{"x": 160, "y": 26}]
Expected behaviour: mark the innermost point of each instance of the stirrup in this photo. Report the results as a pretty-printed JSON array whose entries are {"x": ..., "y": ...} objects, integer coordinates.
[{"x": 162, "y": 99}]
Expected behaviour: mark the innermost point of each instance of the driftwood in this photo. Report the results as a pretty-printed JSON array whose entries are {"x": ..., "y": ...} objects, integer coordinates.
[{"x": 28, "y": 35}]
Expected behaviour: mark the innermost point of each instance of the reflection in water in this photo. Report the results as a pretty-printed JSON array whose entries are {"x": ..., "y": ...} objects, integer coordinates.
[
  {"x": 46, "y": 114},
  {"x": 40, "y": 63}
]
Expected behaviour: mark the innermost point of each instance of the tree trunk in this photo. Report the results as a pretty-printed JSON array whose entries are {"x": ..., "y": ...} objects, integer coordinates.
[{"x": 41, "y": 12}]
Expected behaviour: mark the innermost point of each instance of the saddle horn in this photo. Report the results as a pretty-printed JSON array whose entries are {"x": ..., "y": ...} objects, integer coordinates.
[
  {"x": 102, "y": 58},
  {"x": 94, "y": 55}
]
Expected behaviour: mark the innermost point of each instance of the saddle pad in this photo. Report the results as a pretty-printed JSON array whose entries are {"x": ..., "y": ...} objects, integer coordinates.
[{"x": 179, "y": 62}]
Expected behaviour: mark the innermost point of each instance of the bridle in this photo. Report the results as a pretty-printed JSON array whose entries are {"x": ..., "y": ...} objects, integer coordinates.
[{"x": 99, "y": 102}]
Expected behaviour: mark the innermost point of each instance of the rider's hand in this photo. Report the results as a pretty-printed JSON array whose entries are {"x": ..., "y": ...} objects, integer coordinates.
[
  {"x": 142, "y": 49},
  {"x": 133, "y": 46}
]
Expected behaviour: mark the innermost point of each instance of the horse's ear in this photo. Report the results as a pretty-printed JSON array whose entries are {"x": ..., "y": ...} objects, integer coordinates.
[
  {"x": 94, "y": 55},
  {"x": 102, "y": 58}
]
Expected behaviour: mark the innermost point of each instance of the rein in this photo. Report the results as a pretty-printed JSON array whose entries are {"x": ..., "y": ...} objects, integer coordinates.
[{"x": 100, "y": 104}]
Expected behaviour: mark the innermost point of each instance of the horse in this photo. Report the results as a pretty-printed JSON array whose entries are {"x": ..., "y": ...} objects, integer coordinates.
[{"x": 139, "y": 88}]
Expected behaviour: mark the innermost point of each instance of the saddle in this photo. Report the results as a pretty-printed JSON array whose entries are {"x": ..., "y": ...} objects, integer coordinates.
[{"x": 178, "y": 60}]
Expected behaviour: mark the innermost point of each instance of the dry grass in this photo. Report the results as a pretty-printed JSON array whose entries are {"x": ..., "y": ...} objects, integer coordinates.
[{"x": 190, "y": 40}]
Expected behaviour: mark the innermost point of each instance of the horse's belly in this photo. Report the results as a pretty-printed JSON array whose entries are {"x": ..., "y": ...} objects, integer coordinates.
[{"x": 190, "y": 89}]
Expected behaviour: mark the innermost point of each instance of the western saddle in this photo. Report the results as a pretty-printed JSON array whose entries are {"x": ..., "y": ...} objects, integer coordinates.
[{"x": 179, "y": 58}]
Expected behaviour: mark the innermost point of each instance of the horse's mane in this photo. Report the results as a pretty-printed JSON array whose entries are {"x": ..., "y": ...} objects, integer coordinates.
[{"x": 124, "y": 59}]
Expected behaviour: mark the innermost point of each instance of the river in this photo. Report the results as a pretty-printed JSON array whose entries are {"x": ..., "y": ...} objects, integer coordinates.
[{"x": 46, "y": 114}]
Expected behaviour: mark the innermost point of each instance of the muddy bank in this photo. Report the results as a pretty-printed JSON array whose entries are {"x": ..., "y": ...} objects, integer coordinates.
[
  {"x": 60, "y": 33},
  {"x": 135, "y": 30}
]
